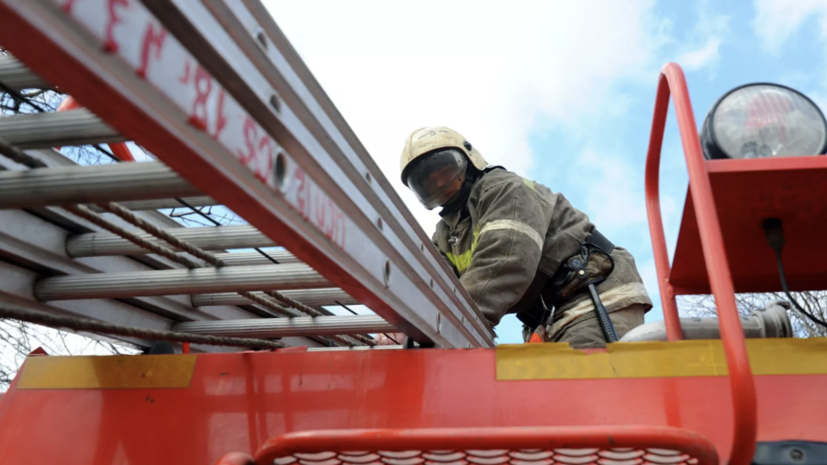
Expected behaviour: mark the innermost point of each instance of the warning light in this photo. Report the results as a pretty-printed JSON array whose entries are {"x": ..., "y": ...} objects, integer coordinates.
[{"x": 763, "y": 120}]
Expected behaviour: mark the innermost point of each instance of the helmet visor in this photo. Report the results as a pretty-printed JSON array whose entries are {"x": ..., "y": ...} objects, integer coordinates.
[{"x": 433, "y": 178}]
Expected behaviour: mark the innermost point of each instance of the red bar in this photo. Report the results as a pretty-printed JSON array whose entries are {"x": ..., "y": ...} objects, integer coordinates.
[
  {"x": 119, "y": 149},
  {"x": 235, "y": 458},
  {"x": 813, "y": 162},
  {"x": 667, "y": 297},
  {"x": 741, "y": 381},
  {"x": 459, "y": 439}
]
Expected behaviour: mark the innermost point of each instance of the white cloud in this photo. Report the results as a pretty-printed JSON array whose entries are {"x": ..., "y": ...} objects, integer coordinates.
[
  {"x": 702, "y": 58},
  {"x": 615, "y": 199},
  {"x": 777, "y": 20},
  {"x": 487, "y": 69},
  {"x": 704, "y": 41}
]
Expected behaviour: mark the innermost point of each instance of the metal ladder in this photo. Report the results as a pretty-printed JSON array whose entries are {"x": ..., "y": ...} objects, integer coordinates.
[{"x": 216, "y": 92}]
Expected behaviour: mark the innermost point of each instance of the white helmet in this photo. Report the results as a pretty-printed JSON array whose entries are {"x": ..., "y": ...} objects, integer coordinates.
[{"x": 431, "y": 177}]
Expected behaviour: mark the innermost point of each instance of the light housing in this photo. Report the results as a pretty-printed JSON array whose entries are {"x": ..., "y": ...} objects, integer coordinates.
[{"x": 763, "y": 120}]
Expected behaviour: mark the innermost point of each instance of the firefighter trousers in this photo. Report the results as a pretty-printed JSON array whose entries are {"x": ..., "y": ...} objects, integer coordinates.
[{"x": 585, "y": 332}]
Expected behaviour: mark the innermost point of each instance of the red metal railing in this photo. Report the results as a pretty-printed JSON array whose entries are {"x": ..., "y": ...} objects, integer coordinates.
[
  {"x": 509, "y": 445},
  {"x": 119, "y": 149},
  {"x": 672, "y": 82}
]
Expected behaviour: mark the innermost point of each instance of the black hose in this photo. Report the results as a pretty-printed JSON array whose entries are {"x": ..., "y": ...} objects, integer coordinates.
[
  {"x": 603, "y": 316},
  {"x": 786, "y": 289}
]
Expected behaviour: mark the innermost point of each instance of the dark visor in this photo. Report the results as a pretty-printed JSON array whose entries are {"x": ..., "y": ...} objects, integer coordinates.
[{"x": 431, "y": 175}]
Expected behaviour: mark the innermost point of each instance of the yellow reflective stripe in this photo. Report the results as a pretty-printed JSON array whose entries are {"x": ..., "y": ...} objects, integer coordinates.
[
  {"x": 498, "y": 225},
  {"x": 530, "y": 184},
  {"x": 462, "y": 261},
  {"x": 108, "y": 372},
  {"x": 658, "y": 359}
]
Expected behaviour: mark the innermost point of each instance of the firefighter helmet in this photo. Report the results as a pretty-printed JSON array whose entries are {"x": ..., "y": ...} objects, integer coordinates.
[
  {"x": 434, "y": 164},
  {"x": 427, "y": 140}
]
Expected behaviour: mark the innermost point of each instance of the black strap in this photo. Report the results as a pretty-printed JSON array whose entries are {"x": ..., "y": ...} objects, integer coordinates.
[
  {"x": 531, "y": 317},
  {"x": 599, "y": 240}
]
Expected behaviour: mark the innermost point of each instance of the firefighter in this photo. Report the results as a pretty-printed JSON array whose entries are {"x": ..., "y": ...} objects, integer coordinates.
[{"x": 517, "y": 247}]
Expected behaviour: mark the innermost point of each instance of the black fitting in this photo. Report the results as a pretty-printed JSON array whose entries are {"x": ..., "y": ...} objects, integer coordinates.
[
  {"x": 409, "y": 343},
  {"x": 774, "y": 232},
  {"x": 159, "y": 348}
]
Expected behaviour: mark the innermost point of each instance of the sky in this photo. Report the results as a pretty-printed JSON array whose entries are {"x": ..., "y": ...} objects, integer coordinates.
[{"x": 561, "y": 92}]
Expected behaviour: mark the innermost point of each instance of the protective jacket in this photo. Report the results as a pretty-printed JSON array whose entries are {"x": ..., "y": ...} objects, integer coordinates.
[{"x": 511, "y": 236}]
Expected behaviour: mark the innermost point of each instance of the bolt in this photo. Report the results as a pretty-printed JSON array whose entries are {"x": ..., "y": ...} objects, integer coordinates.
[{"x": 797, "y": 455}]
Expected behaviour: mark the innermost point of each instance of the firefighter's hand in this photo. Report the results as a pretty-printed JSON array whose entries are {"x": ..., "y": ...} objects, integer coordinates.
[{"x": 389, "y": 339}]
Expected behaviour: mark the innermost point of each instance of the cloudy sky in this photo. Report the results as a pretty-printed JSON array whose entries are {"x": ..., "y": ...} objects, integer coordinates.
[{"x": 558, "y": 91}]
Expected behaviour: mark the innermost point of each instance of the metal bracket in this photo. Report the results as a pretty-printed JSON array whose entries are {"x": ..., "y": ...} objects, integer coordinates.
[{"x": 790, "y": 453}]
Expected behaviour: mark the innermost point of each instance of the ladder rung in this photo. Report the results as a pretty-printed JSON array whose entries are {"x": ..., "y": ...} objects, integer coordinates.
[
  {"x": 43, "y": 130},
  {"x": 209, "y": 238},
  {"x": 355, "y": 348},
  {"x": 16, "y": 76},
  {"x": 172, "y": 282},
  {"x": 256, "y": 258},
  {"x": 286, "y": 327},
  {"x": 158, "y": 204},
  {"x": 311, "y": 297},
  {"x": 81, "y": 184}
]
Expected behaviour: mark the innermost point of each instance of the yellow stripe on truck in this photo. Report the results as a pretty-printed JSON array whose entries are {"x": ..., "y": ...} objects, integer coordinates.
[
  {"x": 658, "y": 359},
  {"x": 108, "y": 372}
]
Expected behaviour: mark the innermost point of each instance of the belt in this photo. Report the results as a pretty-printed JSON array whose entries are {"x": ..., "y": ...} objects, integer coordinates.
[{"x": 532, "y": 317}]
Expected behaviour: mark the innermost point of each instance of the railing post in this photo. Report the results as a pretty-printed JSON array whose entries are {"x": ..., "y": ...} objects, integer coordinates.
[
  {"x": 667, "y": 298},
  {"x": 742, "y": 385}
]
